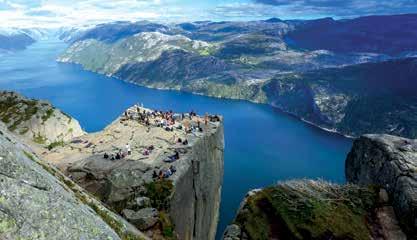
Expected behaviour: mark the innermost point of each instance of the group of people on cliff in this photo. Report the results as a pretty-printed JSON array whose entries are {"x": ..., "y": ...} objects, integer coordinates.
[{"x": 119, "y": 154}]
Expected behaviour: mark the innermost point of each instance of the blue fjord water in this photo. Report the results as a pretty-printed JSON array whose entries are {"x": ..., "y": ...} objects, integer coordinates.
[{"x": 263, "y": 145}]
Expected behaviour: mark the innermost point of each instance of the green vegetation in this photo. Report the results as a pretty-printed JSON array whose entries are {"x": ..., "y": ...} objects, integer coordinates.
[
  {"x": 166, "y": 225},
  {"x": 308, "y": 210},
  {"x": 159, "y": 192},
  {"x": 14, "y": 111},
  {"x": 30, "y": 156},
  {"x": 55, "y": 144},
  {"x": 48, "y": 114},
  {"x": 39, "y": 139}
]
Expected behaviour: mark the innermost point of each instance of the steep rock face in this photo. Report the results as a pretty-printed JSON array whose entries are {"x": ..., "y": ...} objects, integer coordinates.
[
  {"x": 37, "y": 202},
  {"x": 37, "y": 121},
  {"x": 196, "y": 200},
  {"x": 389, "y": 162}
]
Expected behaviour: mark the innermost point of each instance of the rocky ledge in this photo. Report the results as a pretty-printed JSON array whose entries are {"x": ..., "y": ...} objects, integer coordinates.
[
  {"x": 162, "y": 171},
  {"x": 37, "y": 121},
  {"x": 389, "y": 162},
  {"x": 306, "y": 209}
]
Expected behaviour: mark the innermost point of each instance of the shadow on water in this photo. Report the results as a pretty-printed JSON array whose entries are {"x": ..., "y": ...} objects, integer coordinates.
[{"x": 263, "y": 145}]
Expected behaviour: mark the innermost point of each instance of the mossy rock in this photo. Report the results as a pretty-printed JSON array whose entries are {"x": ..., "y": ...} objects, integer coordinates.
[{"x": 308, "y": 210}]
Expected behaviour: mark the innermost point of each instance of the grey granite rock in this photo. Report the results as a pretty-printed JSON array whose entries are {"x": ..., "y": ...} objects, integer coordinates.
[
  {"x": 143, "y": 219},
  {"x": 36, "y": 205},
  {"x": 389, "y": 162}
]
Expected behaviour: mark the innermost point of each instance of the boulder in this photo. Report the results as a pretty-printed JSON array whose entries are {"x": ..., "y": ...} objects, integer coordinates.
[
  {"x": 232, "y": 232},
  {"x": 143, "y": 219},
  {"x": 389, "y": 162},
  {"x": 139, "y": 203}
]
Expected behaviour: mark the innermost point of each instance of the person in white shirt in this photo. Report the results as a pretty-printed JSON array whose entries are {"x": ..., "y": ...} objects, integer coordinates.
[{"x": 128, "y": 150}]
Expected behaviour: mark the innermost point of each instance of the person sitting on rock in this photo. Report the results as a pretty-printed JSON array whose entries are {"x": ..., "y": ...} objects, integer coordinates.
[
  {"x": 154, "y": 175},
  {"x": 179, "y": 140},
  {"x": 185, "y": 142},
  {"x": 161, "y": 175},
  {"x": 112, "y": 157},
  {"x": 172, "y": 169},
  {"x": 146, "y": 152},
  {"x": 118, "y": 156},
  {"x": 173, "y": 158},
  {"x": 167, "y": 173},
  {"x": 106, "y": 156}
]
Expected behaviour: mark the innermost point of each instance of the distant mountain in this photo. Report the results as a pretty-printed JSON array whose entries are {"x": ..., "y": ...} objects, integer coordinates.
[
  {"x": 284, "y": 63},
  {"x": 391, "y": 35},
  {"x": 355, "y": 100},
  {"x": 14, "y": 39}
]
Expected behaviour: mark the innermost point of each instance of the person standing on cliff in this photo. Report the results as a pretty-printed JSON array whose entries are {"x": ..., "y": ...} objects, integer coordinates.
[{"x": 128, "y": 150}]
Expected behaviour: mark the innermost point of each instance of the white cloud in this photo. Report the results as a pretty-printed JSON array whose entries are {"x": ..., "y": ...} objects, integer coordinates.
[{"x": 56, "y": 13}]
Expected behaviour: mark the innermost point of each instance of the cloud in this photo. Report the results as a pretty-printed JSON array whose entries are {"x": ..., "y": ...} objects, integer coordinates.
[
  {"x": 343, "y": 8},
  {"x": 56, "y": 13}
]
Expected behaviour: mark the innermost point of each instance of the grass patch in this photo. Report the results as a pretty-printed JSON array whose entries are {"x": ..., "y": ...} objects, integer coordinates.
[
  {"x": 55, "y": 144},
  {"x": 159, "y": 192},
  {"x": 15, "y": 110},
  {"x": 39, "y": 139},
  {"x": 166, "y": 225},
  {"x": 30, "y": 156},
  {"x": 48, "y": 114},
  {"x": 308, "y": 210}
]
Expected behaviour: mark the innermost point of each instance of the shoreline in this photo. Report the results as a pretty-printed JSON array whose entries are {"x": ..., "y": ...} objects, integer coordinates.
[{"x": 310, "y": 123}]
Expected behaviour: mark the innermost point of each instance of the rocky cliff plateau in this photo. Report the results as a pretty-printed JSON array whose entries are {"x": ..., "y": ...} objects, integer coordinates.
[
  {"x": 183, "y": 206},
  {"x": 120, "y": 194}
]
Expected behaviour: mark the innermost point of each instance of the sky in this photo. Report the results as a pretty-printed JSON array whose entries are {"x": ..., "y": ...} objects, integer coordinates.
[{"x": 57, "y": 13}]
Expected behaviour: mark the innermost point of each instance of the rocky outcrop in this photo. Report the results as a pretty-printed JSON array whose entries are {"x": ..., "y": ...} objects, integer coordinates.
[
  {"x": 389, "y": 162},
  {"x": 308, "y": 209},
  {"x": 39, "y": 202},
  {"x": 185, "y": 204},
  {"x": 37, "y": 121}
]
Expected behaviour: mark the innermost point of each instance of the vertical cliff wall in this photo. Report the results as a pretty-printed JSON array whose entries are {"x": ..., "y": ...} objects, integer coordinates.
[
  {"x": 196, "y": 200},
  {"x": 389, "y": 162}
]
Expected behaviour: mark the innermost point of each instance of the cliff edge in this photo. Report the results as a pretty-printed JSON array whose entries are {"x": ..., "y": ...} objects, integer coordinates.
[
  {"x": 37, "y": 121},
  {"x": 162, "y": 171}
]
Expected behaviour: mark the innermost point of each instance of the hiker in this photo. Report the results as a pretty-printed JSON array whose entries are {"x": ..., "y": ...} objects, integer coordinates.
[
  {"x": 206, "y": 119},
  {"x": 112, "y": 157},
  {"x": 173, "y": 158},
  {"x": 146, "y": 152},
  {"x": 118, "y": 157},
  {"x": 128, "y": 150},
  {"x": 167, "y": 173},
  {"x": 185, "y": 142},
  {"x": 172, "y": 169},
  {"x": 106, "y": 156},
  {"x": 154, "y": 175}
]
